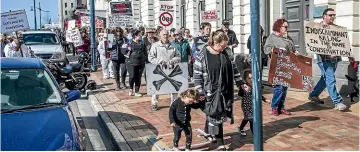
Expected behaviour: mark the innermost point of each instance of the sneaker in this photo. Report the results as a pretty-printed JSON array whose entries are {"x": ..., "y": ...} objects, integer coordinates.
[
  {"x": 285, "y": 112},
  {"x": 340, "y": 106},
  {"x": 316, "y": 100},
  {"x": 222, "y": 149},
  {"x": 176, "y": 149},
  {"x": 187, "y": 149},
  {"x": 137, "y": 94},
  {"x": 275, "y": 112},
  {"x": 131, "y": 92},
  {"x": 155, "y": 107},
  {"x": 242, "y": 133},
  {"x": 106, "y": 77}
]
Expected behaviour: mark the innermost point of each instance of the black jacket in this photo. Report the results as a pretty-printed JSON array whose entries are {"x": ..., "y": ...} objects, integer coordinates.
[
  {"x": 179, "y": 113},
  {"x": 137, "y": 53},
  {"x": 116, "y": 54},
  {"x": 148, "y": 45}
]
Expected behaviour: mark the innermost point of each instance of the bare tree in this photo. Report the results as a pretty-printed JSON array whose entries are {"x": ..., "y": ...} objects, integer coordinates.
[{"x": 47, "y": 19}]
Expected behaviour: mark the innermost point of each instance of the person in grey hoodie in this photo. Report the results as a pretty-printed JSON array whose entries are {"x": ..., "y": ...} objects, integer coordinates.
[
  {"x": 281, "y": 40},
  {"x": 162, "y": 52}
]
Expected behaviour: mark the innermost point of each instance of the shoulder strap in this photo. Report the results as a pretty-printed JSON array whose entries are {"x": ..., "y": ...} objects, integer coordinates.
[{"x": 220, "y": 76}]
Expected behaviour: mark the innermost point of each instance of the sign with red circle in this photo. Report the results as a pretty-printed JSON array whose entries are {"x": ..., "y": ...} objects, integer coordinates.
[{"x": 166, "y": 19}]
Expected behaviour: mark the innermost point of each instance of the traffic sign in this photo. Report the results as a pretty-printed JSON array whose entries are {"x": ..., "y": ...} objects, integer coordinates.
[{"x": 166, "y": 19}]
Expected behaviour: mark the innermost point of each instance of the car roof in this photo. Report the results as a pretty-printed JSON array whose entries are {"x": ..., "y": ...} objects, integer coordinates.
[
  {"x": 38, "y": 32},
  {"x": 21, "y": 63}
]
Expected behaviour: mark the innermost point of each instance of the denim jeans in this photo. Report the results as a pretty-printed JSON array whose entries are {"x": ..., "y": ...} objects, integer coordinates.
[
  {"x": 328, "y": 81},
  {"x": 279, "y": 97}
]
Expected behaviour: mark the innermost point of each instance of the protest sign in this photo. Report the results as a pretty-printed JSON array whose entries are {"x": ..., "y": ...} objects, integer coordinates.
[
  {"x": 85, "y": 22},
  {"x": 166, "y": 80},
  {"x": 14, "y": 21},
  {"x": 209, "y": 16},
  {"x": 73, "y": 36},
  {"x": 200, "y": 42},
  {"x": 121, "y": 8},
  {"x": 100, "y": 37},
  {"x": 120, "y": 21},
  {"x": 290, "y": 70},
  {"x": 328, "y": 40},
  {"x": 166, "y": 16}
]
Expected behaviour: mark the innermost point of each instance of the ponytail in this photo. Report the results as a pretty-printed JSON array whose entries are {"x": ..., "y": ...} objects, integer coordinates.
[{"x": 211, "y": 39}]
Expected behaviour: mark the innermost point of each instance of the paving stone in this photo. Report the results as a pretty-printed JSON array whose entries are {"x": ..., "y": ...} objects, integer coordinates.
[{"x": 311, "y": 127}]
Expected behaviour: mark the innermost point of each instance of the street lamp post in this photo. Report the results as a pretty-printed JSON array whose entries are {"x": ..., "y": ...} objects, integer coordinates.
[
  {"x": 255, "y": 67},
  {"x": 92, "y": 36},
  {"x": 40, "y": 10},
  {"x": 35, "y": 17}
]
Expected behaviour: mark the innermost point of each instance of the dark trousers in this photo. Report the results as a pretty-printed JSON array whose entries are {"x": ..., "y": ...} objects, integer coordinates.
[
  {"x": 243, "y": 124},
  {"x": 135, "y": 73},
  {"x": 119, "y": 66},
  {"x": 191, "y": 70},
  {"x": 220, "y": 136},
  {"x": 177, "y": 135}
]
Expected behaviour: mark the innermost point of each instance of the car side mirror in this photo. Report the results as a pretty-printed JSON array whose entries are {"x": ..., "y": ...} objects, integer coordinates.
[{"x": 72, "y": 95}]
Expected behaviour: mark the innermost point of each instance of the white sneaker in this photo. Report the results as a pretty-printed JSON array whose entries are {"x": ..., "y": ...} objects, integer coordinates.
[
  {"x": 340, "y": 106},
  {"x": 131, "y": 93},
  {"x": 106, "y": 77},
  {"x": 137, "y": 94}
]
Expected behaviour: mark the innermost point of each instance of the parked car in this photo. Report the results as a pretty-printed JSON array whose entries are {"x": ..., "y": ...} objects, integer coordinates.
[
  {"x": 45, "y": 44},
  {"x": 35, "y": 115}
]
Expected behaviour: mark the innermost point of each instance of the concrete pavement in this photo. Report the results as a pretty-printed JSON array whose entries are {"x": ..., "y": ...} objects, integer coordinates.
[{"x": 134, "y": 126}]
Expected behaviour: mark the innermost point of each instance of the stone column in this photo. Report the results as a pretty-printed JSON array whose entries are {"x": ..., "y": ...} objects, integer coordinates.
[
  {"x": 237, "y": 25},
  {"x": 192, "y": 15},
  {"x": 347, "y": 15},
  {"x": 147, "y": 12}
]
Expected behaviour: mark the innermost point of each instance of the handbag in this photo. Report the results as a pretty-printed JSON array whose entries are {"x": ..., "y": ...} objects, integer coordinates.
[{"x": 215, "y": 104}]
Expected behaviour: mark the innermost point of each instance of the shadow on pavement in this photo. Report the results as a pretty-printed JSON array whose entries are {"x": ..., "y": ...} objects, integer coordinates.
[
  {"x": 274, "y": 127},
  {"x": 131, "y": 128}
]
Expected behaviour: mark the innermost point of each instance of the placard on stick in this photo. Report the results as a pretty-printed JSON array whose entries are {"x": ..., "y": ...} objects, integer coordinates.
[
  {"x": 290, "y": 70},
  {"x": 328, "y": 40}
]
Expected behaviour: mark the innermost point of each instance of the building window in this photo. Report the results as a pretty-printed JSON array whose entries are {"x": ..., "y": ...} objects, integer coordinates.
[
  {"x": 65, "y": 12},
  {"x": 65, "y": 5},
  {"x": 72, "y": 5}
]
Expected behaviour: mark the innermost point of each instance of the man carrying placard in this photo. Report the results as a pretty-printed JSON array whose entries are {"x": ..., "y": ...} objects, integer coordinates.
[{"x": 327, "y": 65}]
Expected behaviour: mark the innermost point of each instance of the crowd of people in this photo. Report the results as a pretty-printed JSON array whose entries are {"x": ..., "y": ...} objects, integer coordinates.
[{"x": 212, "y": 69}]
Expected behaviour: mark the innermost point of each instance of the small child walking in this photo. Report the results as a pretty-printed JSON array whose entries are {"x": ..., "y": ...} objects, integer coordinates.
[
  {"x": 246, "y": 102},
  {"x": 179, "y": 115}
]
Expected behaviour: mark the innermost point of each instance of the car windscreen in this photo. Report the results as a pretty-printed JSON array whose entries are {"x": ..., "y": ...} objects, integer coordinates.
[
  {"x": 40, "y": 39},
  {"x": 26, "y": 87}
]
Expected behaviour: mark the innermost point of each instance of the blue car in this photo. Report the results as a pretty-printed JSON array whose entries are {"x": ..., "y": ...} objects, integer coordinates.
[{"x": 35, "y": 115}]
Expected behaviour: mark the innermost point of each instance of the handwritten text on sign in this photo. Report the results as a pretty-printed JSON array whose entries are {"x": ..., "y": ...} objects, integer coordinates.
[
  {"x": 209, "y": 16},
  {"x": 290, "y": 70},
  {"x": 329, "y": 40},
  {"x": 14, "y": 21},
  {"x": 75, "y": 37},
  {"x": 120, "y": 21}
]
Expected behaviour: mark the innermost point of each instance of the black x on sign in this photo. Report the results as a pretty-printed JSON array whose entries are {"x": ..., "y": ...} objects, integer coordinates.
[
  {"x": 166, "y": 19},
  {"x": 159, "y": 71}
]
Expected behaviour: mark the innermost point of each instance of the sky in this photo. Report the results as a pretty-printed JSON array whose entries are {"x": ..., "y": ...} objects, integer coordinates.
[{"x": 46, "y": 5}]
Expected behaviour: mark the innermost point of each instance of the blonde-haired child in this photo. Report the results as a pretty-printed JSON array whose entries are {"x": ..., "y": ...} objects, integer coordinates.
[{"x": 179, "y": 115}]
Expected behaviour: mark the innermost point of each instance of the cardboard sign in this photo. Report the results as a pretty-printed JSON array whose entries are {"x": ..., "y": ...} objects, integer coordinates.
[
  {"x": 14, "y": 21},
  {"x": 74, "y": 36},
  {"x": 209, "y": 16},
  {"x": 121, "y": 8},
  {"x": 120, "y": 21},
  {"x": 329, "y": 40},
  {"x": 289, "y": 70},
  {"x": 164, "y": 80},
  {"x": 200, "y": 42}
]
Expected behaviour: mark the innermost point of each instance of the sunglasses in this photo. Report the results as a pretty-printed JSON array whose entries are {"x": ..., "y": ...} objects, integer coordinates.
[{"x": 331, "y": 15}]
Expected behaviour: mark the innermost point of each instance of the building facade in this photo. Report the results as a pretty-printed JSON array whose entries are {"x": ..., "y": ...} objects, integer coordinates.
[{"x": 69, "y": 6}]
